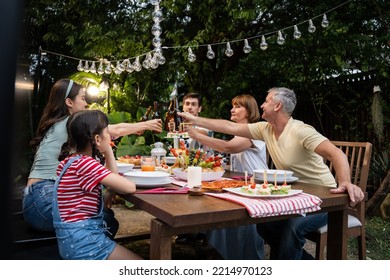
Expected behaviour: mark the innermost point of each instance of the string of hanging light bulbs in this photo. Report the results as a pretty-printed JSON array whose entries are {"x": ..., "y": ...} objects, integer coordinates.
[{"x": 155, "y": 57}]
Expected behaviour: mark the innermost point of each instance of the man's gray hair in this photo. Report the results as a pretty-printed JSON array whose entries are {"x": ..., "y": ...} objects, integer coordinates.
[{"x": 286, "y": 96}]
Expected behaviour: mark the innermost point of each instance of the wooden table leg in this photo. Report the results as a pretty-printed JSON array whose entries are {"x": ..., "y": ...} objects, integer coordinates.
[
  {"x": 337, "y": 235},
  {"x": 160, "y": 241}
]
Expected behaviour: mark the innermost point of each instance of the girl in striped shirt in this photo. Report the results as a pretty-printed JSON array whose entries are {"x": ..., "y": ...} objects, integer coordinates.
[{"x": 78, "y": 198}]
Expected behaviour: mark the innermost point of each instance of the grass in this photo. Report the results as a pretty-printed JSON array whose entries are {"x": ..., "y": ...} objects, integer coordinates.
[{"x": 378, "y": 238}]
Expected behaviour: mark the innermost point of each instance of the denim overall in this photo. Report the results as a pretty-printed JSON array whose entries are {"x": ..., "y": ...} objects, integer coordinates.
[{"x": 83, "y": 240}]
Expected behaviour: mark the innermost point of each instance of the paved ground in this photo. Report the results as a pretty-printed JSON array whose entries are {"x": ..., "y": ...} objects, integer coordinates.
[{"x": 134, "y": 222}]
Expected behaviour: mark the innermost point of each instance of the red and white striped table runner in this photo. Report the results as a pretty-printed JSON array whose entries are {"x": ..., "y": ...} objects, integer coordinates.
[{"x": 301, "y": 203}]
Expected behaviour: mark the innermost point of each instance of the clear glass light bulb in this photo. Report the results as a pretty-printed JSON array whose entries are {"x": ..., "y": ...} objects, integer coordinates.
[
  {"x": 311, "y": 28},
  {"x": 280, "y": 39},
  {"x": 153, "y": 62},
  {"x": 157, "y": 14},
  {"x": 297, "y": 33},
  {"x": 325, "y": 22},
  {"x": 137, "y": 65},
  {"x": 100, "y": 69},
  {"x": 92, "y": 69},
  {"x": 129, "y": 67},
  {"x": 228, "y": 52},
  {"x": 86, "y": 67},
  {"x": 80, "y": 67},
  {"x": 108, "y": 69},
  {"x": 146, "y": 63},
  {"x": 156, "y": 41},
  {"x": 191, "y": 55},
  {"x": 156, "y": 29},
  {"x": 263, "y": 44},
  {"x": 210, "y": 53},
  {"x": 247, "y": 48}
]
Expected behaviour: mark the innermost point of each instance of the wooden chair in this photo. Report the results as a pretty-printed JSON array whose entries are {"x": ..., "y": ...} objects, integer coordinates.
[{"x": 359, "y": 157}]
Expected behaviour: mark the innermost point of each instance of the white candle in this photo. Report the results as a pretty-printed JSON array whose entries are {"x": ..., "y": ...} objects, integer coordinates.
[
  {"x": 246, "y": 177},
  {"x": 265, "y": 177},
  {"x": 276, "y": 183},
  {"x": 194, "y": 177}
]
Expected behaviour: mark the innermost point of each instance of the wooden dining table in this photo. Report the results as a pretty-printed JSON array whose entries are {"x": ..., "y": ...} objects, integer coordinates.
[{"x": 183, "y": 213}]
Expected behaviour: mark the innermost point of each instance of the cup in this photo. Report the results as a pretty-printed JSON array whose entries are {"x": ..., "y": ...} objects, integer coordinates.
[
  {"x": 148, "y": 163},
  {"x": 194, "y": 176}
]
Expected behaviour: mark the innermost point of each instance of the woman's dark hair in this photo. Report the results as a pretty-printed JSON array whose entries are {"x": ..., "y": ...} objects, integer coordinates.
[
  {"x": 82, "y": 128},
  {"x": 56, "y": 109}
]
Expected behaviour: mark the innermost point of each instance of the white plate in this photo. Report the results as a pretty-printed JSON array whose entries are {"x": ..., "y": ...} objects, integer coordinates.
[
  {"x": 290, "y": 180},
  {"x": 153, "y": 185},
  {"x": 239, "y": 192},
  {"x": 147, "y": 177},
  {"x": 280, "y": 174},
  {"x": 206, "y": 176}
]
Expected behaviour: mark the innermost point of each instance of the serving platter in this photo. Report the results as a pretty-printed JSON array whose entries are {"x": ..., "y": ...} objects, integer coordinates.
[{"x": 239, "y": 192}]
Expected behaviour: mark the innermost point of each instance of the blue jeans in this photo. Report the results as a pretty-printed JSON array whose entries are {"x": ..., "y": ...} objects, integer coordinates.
[
  {"x": 37, "y": 208},
  {"x": 287, "y": 237},
  {"x": 238, "y": 243},
  {"x": 37, "y": 205}
]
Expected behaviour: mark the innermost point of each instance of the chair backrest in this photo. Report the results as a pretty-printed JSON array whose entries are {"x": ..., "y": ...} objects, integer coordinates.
[{"x": 359, "y": 158}]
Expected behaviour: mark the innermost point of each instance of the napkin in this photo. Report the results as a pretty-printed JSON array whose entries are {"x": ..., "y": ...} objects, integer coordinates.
[
  {"x": 178, "y": 182},
  {"x": 301, "y": 203},
  {"x": 165, "y": 190}
]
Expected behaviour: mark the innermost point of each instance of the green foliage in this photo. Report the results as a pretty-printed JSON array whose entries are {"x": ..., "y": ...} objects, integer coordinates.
[
  {"x": 119, "y": 117},
  {"x": 317, "y": 66},
  {"x": 132, "y": 145}
]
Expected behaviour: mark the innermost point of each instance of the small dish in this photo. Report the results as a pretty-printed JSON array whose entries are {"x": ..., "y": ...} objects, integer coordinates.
[{"x": 124, "y": 167}]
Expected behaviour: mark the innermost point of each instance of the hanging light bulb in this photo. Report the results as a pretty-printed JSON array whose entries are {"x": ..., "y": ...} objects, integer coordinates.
[
  {"x": 280, "y": 39},
  {"x": 191, "y": 55},
  {"x": 324, "y": 22},
  {"x": 80, "y": 67},
  {"x": 228, "y": 52},
  {"x": 156, "y": 29},
  {"x": 159, "y": 57},
  {"x": 156, "y": 41},
  {"x": 92, "y": 69},
  {"x": 146, "y": 63},
  {"x": 153, "y": 62},
  {"x": 311, "y": 28},
  {"x": 128, "y": 67},
  {"x": 157, "y": 14},
  {"x": 137, "y": 65},
  {"x": 121, "y": 66},
  {"x": 100, "y": 69},
  {"x": 247, "y": 48},
  {"x": 210, "y": 53},
  {"x": 297, "y": 33},
  {"x": 108, "y": 69},
  {"x": 86, "y": 67},
  {"x": 154, "y": 2},
  {"x": 263, "y": 44}
]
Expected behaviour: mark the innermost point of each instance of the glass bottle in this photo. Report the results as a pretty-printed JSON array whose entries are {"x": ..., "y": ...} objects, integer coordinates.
[
  {"x": 145, "y": 117},
  {"x": 169, "y": 125},
  {"x": 155, "y": 114}
]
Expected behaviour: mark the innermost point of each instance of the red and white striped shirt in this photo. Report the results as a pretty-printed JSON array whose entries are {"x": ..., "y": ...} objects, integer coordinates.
[{"x": 79, "y": 190}]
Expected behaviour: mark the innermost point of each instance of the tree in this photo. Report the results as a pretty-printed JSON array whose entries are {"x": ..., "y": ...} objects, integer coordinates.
[{"x": 319, "y": 66}]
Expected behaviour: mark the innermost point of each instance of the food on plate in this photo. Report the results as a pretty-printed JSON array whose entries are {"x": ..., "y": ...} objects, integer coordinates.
[
  {"x": 163, "y": 168},
  {"x": 220, "y": 184},
  {"x": 182, "y": 134},
  {"x": 265, "y": 189},
  {"x": 196, "y": 157},
  {"x": 136, "y": 160}
]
